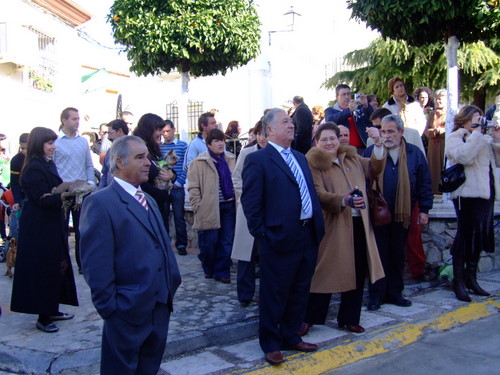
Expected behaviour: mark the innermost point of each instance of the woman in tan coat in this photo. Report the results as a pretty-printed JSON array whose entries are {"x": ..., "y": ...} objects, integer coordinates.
[
  {"x": 212, "y": 198},
  {"x": 348, "y": 249}
]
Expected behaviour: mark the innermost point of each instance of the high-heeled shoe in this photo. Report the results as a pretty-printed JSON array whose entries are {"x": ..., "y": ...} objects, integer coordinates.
[
  {"x": 460, "y": 292},
  {"x": 472, "y": 285}
]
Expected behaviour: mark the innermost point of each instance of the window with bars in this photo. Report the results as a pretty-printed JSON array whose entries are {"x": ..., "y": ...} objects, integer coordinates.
[
  {"x": 41, "y": 75},
  {"x": 194, "y": 110}
]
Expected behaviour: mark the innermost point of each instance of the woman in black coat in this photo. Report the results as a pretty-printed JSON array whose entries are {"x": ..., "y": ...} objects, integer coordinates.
[
  {"x": 43, "y": 276},
  {"x": 150, "y": 129}
]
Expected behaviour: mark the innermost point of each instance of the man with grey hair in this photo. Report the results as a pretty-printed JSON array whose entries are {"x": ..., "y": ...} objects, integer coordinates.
[
  {"x": 405, "y": 180},
  {"x": 284, "y": 216},
  {"x": 129, "y": 264}
]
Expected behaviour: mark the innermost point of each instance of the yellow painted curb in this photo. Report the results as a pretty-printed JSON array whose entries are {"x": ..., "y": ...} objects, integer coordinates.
[{"x": 398, "y": 336}]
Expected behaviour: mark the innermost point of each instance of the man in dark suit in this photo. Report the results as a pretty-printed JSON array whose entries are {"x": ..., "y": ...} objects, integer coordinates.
[
  {"x": 283, "y": 214},
  {"x": 129, "y": 264},
  {"x": 303, "y": 120}
]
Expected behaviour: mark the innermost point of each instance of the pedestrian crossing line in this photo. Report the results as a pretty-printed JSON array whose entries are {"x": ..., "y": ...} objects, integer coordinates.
[{"x": 384, "y": 340}]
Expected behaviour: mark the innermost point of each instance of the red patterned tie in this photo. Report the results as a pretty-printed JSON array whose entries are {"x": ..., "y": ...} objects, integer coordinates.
[{"x": 141, "y": 198}]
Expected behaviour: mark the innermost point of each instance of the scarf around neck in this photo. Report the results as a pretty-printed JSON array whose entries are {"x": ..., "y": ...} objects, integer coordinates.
[
  {"x": 402, "y": 208},
  {"x": 225, "y": 182}
]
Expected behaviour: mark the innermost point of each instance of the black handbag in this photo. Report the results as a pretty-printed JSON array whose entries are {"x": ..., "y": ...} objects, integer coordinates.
[{"x": 452, "y": 177}]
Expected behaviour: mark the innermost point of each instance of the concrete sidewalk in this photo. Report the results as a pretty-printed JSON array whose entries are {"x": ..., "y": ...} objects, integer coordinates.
[{"x": 207, "y": 319}]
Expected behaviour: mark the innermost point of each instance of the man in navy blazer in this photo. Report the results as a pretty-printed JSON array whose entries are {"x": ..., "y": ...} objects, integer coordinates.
[
  {"x": 287, "y": 227},
  {"x": 129, "y": 264}
]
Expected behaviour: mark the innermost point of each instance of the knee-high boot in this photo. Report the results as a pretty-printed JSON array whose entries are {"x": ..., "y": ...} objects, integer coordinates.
[
  {"x": 470, "y": 280},
  {"x": 458, "y": 278}
]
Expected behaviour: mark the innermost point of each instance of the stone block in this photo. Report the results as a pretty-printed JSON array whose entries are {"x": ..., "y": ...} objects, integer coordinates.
[
  {"x": 486, "y": 263},
  {"x": 434, "y": 255},
  {"x": 436, "y": 227}
]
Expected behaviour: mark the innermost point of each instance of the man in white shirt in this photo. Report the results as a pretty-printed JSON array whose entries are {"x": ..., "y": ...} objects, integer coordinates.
[{"x": 73, "y": 162}]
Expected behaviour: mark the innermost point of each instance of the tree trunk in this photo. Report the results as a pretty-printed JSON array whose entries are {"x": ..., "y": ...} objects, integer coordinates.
[
  {"x": 452, "y": 81},
  {"x": 183, "y": 108},
  {"x": 480, "y": 98}
]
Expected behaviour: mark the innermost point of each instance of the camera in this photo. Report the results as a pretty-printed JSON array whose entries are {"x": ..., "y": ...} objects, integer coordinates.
[
  {"x": 483, "y": 122},
  {"x": 358, "y": 193}
]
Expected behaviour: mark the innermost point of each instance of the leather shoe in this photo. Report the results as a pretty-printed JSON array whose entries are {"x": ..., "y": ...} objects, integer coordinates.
[
  {"x": 304, "y": 329},
  {"x": 224, "y": 280},
  {"x": 373, "y": 306},
  {"x": 245, "y": 302},
  {"x": 181, "y": 251},
  {"x": 355, "y": 328},
  {"x": 49, "y": 327},
  {"x": 61, "y": 316},
  {"x": 304, "y": 347},
  {"x": 275, "y": 358},
  {"x": 400, "y": 301}
]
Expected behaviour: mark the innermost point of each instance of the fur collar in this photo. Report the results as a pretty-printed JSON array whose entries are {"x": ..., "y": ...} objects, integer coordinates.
[
  {"x": 409, "y": 99},
  {"x": 321, "y": 160}
]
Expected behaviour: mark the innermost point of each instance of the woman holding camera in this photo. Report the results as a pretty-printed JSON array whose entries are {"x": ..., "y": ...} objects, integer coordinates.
[
  {"x": 479, "y": 153},
  {"x": 348, "y": 249}
]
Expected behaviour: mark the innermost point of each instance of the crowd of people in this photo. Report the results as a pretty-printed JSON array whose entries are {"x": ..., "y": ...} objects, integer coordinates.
[{"x": 293, "y": 200}]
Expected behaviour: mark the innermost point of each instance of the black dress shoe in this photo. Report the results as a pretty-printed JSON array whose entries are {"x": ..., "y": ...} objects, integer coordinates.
[
  {"x": 355, "y": 328},
  {"x": 61, "y": 316},
  {"x": 400, "y": 301},
  {"x": 182, "y": 251},
  {"x": 49, "y": 327},
  {"x": 373, "y": 306},
  {"x": 303, "y": 347},
  {"x": 275, "y": 358},
  {"x": 245, "y": 302},
  {"x": 224, "y": 280}
]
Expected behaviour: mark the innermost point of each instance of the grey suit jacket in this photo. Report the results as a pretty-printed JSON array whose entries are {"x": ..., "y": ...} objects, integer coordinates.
[{"x": 126, "y": 255}]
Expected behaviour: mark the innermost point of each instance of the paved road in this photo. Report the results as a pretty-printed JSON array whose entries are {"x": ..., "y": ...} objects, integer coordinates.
[{"x": 470, "y": 349}]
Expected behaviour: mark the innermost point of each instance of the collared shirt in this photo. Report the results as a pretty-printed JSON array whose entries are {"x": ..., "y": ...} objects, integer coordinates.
[
  {"x": 128, "y": 187},
  {"x": 72, "y": 158},
  {"x": 180, "y": 148},
  {"x": 303, "y": 215}
]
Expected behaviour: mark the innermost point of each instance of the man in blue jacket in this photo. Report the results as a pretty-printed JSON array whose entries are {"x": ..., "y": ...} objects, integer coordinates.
[
  {"x": 404, "y": 181},
  {"x": 353, "y": 114}
]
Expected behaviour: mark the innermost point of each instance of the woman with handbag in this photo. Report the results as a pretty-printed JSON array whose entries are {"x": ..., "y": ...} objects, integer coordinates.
[
  {"x": 348, "y": 249},
  {"x": 479, "y": 153}
]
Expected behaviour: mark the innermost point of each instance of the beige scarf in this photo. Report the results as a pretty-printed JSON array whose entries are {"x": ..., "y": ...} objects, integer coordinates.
[{"x": 402, "y": 210}]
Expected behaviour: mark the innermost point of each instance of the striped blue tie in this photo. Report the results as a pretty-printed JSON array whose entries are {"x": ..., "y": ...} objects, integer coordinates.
[{"x": 304, "y": 192}]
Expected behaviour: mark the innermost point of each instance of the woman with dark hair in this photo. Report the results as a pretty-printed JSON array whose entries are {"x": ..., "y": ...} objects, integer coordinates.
[
  {"x": 212, "y": 197},
  {"x": 44, "y": 275},
  {"x": 150, "y": 129},
  {"x": 232, "y": 133},
  {"x": 425, "y": 97},
  {"x": 479, "y": 153}
]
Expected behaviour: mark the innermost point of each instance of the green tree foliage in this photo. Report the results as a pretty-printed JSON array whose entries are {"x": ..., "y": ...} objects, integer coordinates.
[
  {"x": 202, "y": 37},
  {"x": 420, "y": 22},
  {"x": 420, "y": 66}
]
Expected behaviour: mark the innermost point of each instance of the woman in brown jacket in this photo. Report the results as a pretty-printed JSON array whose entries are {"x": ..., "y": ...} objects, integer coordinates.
[{"x": 348, "y": 249}]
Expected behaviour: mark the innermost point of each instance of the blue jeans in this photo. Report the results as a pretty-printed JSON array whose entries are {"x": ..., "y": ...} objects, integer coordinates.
[
  {"x": 216, "y": 244},
  {"x": 176, "y": 199}
]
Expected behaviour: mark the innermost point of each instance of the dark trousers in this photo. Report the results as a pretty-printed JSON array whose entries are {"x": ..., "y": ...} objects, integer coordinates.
[
  {"x": 75, "y": 214},
  {"x": 245, "y": 277},
  {"x": 216, "y": 244},
  {"x": 285, "y": 279},
  {"x": 176, "y": 200},
  {"x": 391, "y": 240},
  {"x": 134, "y": 349},
  {"x": 350, "y": 301}
]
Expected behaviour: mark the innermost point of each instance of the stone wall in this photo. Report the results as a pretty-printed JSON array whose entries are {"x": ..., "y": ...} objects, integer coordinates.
[{"x": 437, "y": 237}]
